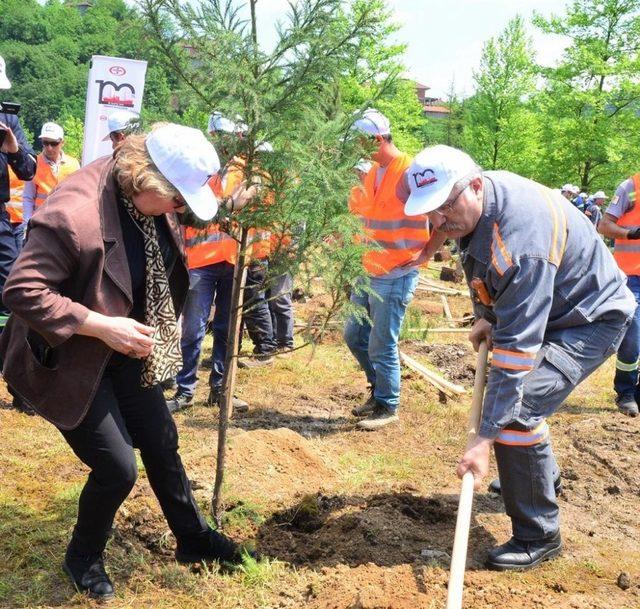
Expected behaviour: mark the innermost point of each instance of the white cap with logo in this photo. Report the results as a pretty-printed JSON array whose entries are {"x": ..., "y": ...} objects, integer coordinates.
[
  {"x": 599, "y": 195},
  {"x": 372, "y": 122},
  {"x": 188, "y": 160},
  {"x": 218, "y": 122},
  {"x": 4, "y": 81},
  {"x": 432, "y": 175},
  {"x": 51, "y": 131},
  {"x": 122, "y": 120}
]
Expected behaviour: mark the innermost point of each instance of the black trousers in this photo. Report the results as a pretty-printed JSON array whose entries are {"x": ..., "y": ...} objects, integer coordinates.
[
  {"x": 124, "y": 416},
  {"x": 256, "y": 315}
]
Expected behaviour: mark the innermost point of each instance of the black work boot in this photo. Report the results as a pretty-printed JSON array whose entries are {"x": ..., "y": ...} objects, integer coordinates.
[
  {"x": 627, "y": 405},
  {"x": 211, "y": 546},
  {"x": 180, "y": 401},
  {"x": 496, "y": 487},
  {"x": 517, "y": 555},
  {"x": 215, "y": 397},
  {"x": 88, "y": 575},
  {"x": 364, "y": 410}
]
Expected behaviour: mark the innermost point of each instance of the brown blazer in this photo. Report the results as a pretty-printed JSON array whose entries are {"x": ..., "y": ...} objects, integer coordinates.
[{"x": 74, "y": 261}]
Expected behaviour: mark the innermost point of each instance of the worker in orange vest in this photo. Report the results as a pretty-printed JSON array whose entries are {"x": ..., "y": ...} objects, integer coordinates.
[
  {"x": 52, "y": 166},
  {"x": 621, "y": 222},
  {"x": 398, "y": 243},
  {"x": 14, "y": 208},
  {"x": 211, "y": 257}
]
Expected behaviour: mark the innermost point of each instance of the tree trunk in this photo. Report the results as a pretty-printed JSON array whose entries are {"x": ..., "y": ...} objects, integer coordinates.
[{"x": 230, "y": 370}]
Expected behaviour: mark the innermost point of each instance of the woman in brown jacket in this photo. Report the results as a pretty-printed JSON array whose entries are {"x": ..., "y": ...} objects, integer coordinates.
[{"x": 95, "y": 295}]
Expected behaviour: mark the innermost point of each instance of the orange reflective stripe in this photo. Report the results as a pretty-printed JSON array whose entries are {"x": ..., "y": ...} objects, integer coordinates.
[
  {"x": 559, "y": 231},
  {"x": 626, "y": 251},
  {"x": 500, "y": 257},
  {"x": 513, "y": 360},
  {"x": 512, "y": 437}
]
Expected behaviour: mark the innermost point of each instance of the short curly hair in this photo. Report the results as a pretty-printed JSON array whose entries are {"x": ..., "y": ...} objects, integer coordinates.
[{"x": 136, "y": 172}]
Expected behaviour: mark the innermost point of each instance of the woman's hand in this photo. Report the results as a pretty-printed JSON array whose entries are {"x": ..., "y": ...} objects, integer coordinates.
[{"x": 121, "y": 334}]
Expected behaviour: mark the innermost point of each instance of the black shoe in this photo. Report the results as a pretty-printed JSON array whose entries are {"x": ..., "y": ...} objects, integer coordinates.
[
  {"x": 88, "y": 575},
  {"x": 627, "y": 405},
  {"x": 179, "y": 402},
  {"x": 367, "y": 407},
  {"x": 215, "y": 397},
  {"x": 496, "y": 487},
  {"x": 523, "y": 555},
  {"x": 213, "y": 546},
  {"x": 21, "y": 406}
]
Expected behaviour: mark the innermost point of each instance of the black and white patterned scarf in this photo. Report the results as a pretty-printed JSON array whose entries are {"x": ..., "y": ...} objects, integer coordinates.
[{"x": 165, "y": 360}]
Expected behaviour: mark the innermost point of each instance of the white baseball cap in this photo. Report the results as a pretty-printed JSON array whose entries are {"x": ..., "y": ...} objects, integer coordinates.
[
  {"x": 122, "y": 120},
  {"x": 574, "y": 190},
  {"x": 4, "y": 81},
  {"x": 599, "y": 195},
  {"x": 188, "y": 160},
  {"x": 51, "y": 131},
  {"x": 432, "y": 175},
  {"x": 218, "y": 122},
  {"x": 372, "y": 122}
]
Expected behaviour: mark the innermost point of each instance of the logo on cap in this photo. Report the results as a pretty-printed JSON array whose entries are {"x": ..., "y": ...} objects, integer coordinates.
[{"x": 424, "y": 178}]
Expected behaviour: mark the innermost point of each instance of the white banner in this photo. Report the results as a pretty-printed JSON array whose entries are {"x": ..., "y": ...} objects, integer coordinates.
[{"x": 114, "y": 83}]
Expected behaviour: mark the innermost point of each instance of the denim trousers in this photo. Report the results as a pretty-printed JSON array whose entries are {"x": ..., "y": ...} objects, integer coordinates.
[
  {"x": 625, "y": 381},
  {"x": 9, "y": 251},
  {"x": 208, "y": 284},
  {"x": 281, "y": 309},
  {"x": 525, "y": 459},
  {"x": 374, "y": 343}
]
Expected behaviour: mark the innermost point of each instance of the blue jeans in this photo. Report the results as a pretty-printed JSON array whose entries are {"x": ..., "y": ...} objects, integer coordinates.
[
  {"x": 256, "y": 316},
  {"x": 281, "y": 308},
  {"x": 8, "y": 254},
  {"x": 375, "y": 344},
  {"x": 625, "y": 381},
  {"x": 206, "y": 284}
]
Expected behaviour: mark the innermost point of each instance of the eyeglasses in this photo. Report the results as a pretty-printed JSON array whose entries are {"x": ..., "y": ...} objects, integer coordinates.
[
  {"x": 447, "y": 207},
  {"x": 51, "y": 144}
]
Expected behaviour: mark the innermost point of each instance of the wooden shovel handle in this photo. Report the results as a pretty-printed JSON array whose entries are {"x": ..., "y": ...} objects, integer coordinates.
[{"x": 463, "y": 521}]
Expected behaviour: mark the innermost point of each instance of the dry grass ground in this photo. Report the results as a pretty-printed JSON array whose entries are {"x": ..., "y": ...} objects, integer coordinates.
[{"x": 344, "y": 519}]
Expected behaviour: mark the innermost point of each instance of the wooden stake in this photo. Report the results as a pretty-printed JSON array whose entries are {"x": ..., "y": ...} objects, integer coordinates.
[
  {"x": 438, "y": 381},
  {"x": 445, "y": 307},
  {"x": 463, "y": 521},
  {"x": 230, "y": 370}
]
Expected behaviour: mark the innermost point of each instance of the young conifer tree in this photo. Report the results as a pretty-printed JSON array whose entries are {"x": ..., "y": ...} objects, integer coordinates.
[{"x": 291, "y": 97}]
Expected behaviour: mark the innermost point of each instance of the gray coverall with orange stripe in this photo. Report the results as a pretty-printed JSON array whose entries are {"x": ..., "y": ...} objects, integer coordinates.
[{"x": 559, "y": 306}]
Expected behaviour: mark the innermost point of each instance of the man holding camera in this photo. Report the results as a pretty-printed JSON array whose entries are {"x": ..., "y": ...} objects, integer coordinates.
[{"x": 14, "y": 153}]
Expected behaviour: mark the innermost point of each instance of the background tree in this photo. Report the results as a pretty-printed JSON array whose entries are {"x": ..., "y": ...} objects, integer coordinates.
[
  {"x": 590, "y": 102},
  {"x": 500, "y": 131}
]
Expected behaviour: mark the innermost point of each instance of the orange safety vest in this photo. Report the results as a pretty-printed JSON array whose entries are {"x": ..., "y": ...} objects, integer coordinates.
[
  {"x": 14, "y": 204},
  {"x": 399, "y": 238},
  {"x": 627, "y": 251},
  {"x": 211, "y": 245},
  {"x": 45, "y": 180}
]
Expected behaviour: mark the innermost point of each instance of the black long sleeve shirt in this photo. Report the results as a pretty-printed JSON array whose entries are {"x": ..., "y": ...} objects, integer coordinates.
[{"x": 22, "y": 162}]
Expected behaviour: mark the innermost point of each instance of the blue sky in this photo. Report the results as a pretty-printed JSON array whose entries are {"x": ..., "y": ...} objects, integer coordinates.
[{"x": 445, "y": 37}]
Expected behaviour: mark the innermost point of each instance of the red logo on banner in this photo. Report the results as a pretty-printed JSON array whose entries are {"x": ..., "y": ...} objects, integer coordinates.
[{"x": 117, "y": 70}]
